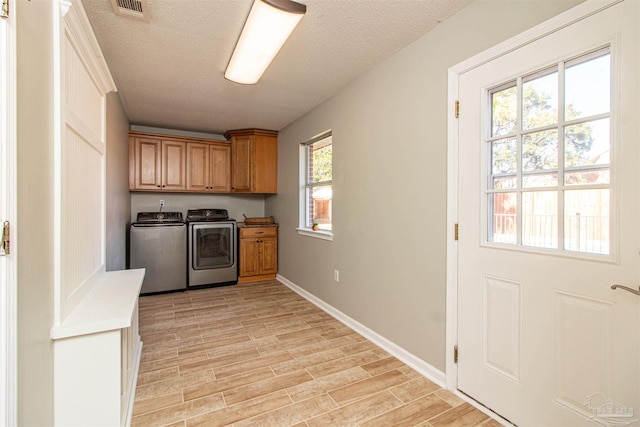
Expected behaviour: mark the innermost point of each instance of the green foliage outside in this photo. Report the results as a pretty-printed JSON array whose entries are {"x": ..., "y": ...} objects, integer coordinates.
[
  {"x": 322, "y": 164},
  {"x": 539, "y": 149}
]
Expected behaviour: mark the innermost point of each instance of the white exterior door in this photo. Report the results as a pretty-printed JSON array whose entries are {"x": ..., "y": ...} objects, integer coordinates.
[{"x": 549, "y": 189}]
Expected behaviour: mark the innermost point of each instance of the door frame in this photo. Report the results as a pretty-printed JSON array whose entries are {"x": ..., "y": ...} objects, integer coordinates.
[
  {"x": 571, "y": 16},
  {"x": 8, "y": 212}
]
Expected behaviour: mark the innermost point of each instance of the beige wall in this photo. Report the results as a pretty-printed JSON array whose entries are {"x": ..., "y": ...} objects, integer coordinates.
[
  {"x": 389, "y": 173},
  {"x": 35, "y": 206},
  {"x": 118, "y": 199}
]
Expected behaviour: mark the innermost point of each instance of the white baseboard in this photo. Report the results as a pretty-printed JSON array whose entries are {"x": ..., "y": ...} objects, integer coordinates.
[{"x": 424, "y": 368}]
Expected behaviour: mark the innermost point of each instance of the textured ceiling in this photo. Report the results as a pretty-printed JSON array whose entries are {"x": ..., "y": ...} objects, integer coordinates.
[{"x": 169, "y": 70}]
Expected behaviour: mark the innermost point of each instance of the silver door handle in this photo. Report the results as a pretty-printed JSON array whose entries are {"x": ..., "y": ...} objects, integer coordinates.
[{"x": 633, "y": 291}]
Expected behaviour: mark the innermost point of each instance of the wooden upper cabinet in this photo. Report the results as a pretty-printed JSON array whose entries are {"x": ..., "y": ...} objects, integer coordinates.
[
  {"x": 177, "y": 164},
  {"x": 208, "y": 167},
  {"x": 146, "y": 163},
  {"x": 173, "y": 165},
  {"x": 241, "y": 147},
  {"x": 254, "y": 160},
  {"x": 248, "y": 163},
  {"x": 197, "y": 166},
  {"x": 265, "y": 164},
  {"x": 155, "y": 164},
  {"x": 220, "y": 155}
]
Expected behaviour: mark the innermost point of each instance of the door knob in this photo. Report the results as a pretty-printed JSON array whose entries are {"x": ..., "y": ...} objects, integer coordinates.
[{"x": 633, "y": 291}]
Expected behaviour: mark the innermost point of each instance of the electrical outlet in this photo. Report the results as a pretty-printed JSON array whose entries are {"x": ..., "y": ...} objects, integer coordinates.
[
  {"x": 161, "y": 203},
  {"x": 336, "y": 275}
]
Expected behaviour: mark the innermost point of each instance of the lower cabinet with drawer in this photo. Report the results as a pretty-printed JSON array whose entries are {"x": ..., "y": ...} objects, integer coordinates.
[{"x": 258, "y": 253}]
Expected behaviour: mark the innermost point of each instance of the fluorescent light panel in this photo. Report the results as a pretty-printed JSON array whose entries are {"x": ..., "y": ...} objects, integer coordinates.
[{"x": 269, "y": 25}]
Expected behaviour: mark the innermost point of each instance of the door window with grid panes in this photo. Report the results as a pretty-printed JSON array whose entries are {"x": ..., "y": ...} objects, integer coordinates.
[{"x": 549, "y": 158}]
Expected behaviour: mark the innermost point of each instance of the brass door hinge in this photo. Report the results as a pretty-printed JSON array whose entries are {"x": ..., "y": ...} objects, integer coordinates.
[
  {"x": 5, "y": 241},
  {"x": 4, "y": 10},
  {"x": 455, "y": 354},
  {"x": 455, "y": 232},
  {"x": 457, "y": 109}
]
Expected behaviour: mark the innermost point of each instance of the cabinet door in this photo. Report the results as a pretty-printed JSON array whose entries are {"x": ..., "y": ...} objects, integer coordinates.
[
  {"x": 220, "y": 168},
  {"x": 198, "y": 166},
  {"x": 249, "y": 257},
  {"x": 242, "y": 147},
  {"x": 147, "y": 164},
  {"x": 269, "y": 255},
  {"x": 173, "y": 165},
  {"x": 265, "y": 163}
]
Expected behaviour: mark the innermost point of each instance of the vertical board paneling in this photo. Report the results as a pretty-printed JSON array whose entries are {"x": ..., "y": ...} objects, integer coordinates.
[
  {"x": 82, "y": 179},
  {"x": 82, "y": 211}
]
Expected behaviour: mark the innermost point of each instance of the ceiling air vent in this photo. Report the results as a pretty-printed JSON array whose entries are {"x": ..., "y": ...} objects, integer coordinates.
[{"x": 132, "y": 8}]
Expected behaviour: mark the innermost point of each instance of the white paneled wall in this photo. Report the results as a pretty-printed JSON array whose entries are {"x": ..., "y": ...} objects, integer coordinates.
[
  {"x": 96, "y": 341},
  {"x": 83, "y": 208},
  {"x": 79, "y": 220}
]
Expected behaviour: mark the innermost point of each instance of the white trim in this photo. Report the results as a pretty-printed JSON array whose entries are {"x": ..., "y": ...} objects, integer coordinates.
[
  {"x": 302, "y": 180},
  {"x": 424, "y": 368},
  {"x": 80, "y": 33},
  {"x": 558, "y": 22},
  {"x": 8, "y": 211},
  {"x": 320, "y": 234},
  {"x": 303, "y": 208},
  {"x": 578, "y": 13},
  {"x": 58, "y": 114},
  {"x": 451, "y": 334}
]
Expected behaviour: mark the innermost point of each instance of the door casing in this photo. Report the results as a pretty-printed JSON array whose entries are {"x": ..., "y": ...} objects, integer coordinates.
[
  {"x": 552, "y": 25},
  {"x": 8, "y": 205}
]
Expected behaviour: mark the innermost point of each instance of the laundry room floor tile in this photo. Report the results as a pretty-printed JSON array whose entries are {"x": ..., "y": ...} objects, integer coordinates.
[{"x": 258, "y": 354}]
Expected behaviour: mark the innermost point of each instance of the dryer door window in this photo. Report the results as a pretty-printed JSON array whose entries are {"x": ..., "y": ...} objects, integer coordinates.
[{"x": 213, "y": 246}]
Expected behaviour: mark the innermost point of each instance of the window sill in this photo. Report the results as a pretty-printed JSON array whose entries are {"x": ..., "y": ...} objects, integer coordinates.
[{"x": 320, "y": 234}]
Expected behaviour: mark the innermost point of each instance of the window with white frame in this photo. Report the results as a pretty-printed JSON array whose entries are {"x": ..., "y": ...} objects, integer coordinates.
[
  {"x": 316, "y": 183},
  {"x": 548, "y": 157}
]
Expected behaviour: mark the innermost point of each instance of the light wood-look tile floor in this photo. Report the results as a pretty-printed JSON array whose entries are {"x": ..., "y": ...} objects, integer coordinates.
[{"x": 258, "y": 354}]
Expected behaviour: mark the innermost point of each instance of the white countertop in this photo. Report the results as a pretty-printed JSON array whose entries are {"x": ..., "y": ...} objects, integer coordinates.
[{"x": 108, "y": 306}]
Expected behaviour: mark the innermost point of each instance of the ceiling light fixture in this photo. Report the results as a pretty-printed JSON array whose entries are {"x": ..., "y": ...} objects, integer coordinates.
[{"x": 269, "y": 25}]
